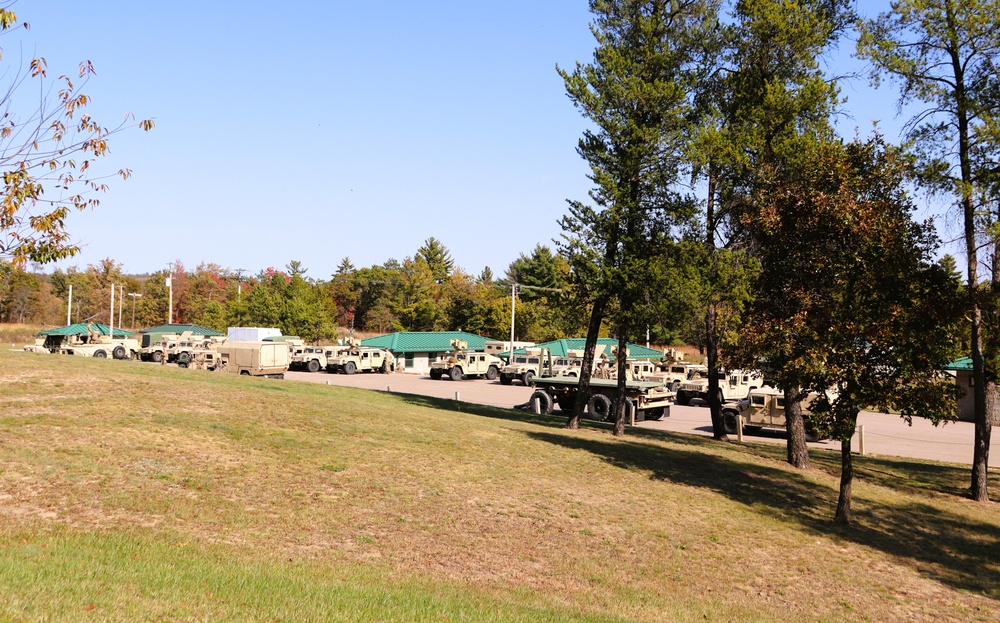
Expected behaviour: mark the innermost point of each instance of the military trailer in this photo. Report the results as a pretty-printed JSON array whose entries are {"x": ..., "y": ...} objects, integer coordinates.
[
  {"x": 464, "y": 364},
  {"x": 296, "y": 346},
  {"x": 646, "y": 401},
  {"x": 763, "y": 408},
  {"x": 269, "y": 359},
  {"x": 96, "y": 344},
  {"x": 733, "y": 385}
]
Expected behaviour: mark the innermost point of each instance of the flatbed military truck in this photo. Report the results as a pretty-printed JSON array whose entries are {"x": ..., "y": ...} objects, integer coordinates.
[
  {"x": 96, "y": 344},
  {"x": 463, "y": 364},
  {"x": 646, "y": 401}
]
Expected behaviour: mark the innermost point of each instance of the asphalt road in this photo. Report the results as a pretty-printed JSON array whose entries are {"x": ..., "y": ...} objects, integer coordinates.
[{"x": 884, "y": 434}]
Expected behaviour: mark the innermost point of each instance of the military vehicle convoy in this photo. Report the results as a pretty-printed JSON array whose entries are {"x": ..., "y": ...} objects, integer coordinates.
[
  {"x": 463, "y": 364},
  {"x": 359, "y": 358},
  {"x": 764, "y": 407},
  {"x": 316, "y": 358}
]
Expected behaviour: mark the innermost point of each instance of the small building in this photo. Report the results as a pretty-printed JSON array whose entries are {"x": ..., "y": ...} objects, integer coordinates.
[
  {"x": 152, "y": 334},
  {"x": 962, "y": 369},
  {"x": 416, "y": 350},
  {"x": 561, "y": 348}
]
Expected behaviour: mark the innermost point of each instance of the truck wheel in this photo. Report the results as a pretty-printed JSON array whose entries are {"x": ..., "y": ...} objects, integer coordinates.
[
  {"x": 729, "y": 422},
  {"x": 598, "y": 407},
  {"x": 183, "y": 358},
  {"x": 675, "y": 386},
  {"x": 100, "y": 354},
  {"x": 544, "y": 401},
  {"x": 492, "y": 373},
  {"x": 182, "y": 364},
  {"x": 349, "y": 368},
  {"x": 456, "y": 374},
  {"x": 313, "y": 365},
  {"x": 527, "y": 378},
  {"x": 506, "y": 380},
  {"x": 157, "y": 356},
  {"x": 385, "y": 368},
  {"x": 436, "y": 373},
  {"x": 654, "y": 414},
  {"x": 119, "y": 352},
  {"x": 682, "y": 399}
]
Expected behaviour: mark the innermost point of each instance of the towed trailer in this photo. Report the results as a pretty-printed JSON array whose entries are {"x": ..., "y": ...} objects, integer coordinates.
[{"x": 646, "y": 400}]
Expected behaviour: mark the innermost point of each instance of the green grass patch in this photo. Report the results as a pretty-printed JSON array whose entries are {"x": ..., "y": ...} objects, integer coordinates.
[{"x": 131, "y": 491}]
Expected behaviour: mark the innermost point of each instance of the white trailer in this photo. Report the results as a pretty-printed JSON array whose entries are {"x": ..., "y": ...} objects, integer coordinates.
[{"x": 251, "y": 334}]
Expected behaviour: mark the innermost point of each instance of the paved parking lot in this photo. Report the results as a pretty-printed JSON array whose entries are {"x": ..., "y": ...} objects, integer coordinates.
[{"x": 884, "y": 434}]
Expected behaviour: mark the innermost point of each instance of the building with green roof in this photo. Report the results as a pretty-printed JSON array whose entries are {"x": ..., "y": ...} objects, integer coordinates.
[
  {"x": 962, "y": 368},
  {"x": 83, "y": 328},
  {"x": 417, "y": 349},
  {"x": 561, "y": 348}
]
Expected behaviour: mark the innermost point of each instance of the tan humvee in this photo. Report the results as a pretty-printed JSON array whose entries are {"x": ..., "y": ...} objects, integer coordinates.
[
  {"x": 764, "y": 407},
  {"x": 358, "y": 358},
  {"x": 534, "y": 362},
  {"x": 733, "y": 385},
  {"x": 463, "y": 364}
]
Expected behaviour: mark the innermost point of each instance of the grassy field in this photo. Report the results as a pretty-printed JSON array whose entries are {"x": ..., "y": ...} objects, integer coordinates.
[{"x": 132, "y": 492}]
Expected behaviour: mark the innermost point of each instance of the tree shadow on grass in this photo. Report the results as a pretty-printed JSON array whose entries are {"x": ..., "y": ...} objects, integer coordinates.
[{"x": 947, "y": 547}]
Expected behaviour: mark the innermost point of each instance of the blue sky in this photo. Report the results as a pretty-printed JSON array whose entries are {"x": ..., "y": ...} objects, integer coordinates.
[{"x": 312, "y": 131}]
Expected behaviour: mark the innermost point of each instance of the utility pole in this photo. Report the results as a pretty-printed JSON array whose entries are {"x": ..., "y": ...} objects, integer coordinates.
[
  {"x": 69, "y": 305},
  {"x": 121, "y": 302},
  {"x": 134, "y": 296},
  {"x": 239, "y": 284},
  {"x": 170, "y": 286}
]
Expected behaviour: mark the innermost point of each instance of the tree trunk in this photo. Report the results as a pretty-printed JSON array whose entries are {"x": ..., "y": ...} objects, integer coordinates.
[
  {"x": 622, "y": 362},
  {"x": 593, "y": 331},
  {"x": 798, "y": 451},
  {"x": 711, "y": 316},
  {"x": 843, "y": 515}
]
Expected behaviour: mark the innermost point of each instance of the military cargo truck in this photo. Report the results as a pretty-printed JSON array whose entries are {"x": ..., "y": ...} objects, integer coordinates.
[{"x": 96, "y": 344}]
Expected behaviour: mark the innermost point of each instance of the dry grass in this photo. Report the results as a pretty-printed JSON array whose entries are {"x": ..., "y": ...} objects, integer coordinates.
[
  {"x": 258, "y": 482},
  {"x": 18, "y": 335}
]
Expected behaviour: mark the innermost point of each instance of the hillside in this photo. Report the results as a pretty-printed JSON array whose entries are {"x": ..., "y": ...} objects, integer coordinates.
[{"x": 134, "y": 492}]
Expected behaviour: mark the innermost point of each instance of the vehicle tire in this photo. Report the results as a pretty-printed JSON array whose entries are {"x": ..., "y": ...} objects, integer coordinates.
[
  {"x": 599, "y": 407},
  {"x": 492, "y": 373},
  {"x": 675, "y": 386},
  {"x": 436, "y": 374},
  {"x": 182, "y": 364},
  {"x": 349, "y": 368},
  {"x": 101, "y": 354},
  {"x": 528, "y": 378},
  {"x": 544, "y": 401},
  {"x": 682, "y": 399},
  {"x": 313, "y": 365},
  {"x": 506, "y": 380},
  {"x": 385, "y": 368},
  {"x": 812, "y": 436},
  {"x": 119, "y": 352},
  {"x": 183, "y": 358},
  {"x": 729, "y": 422},
  {"x": 245, "y": 373},
  {"x": 456, "y": 374},
  {"x": 655, "y": 414},
  {"x": 157, "y": 356}
]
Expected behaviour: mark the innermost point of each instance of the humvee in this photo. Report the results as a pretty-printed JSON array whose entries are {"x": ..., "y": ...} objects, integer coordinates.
[
  {"x": 160, "y": 349},
  {"x": 733, "y": 385},
  {"x": 672, "y": 374},
  {"x": 534, "y": 362},
  {"x": 764, "y": 407},
  {"x": 312, "y": 358},
  {"x": 358, "y": 358},
  {"x": 463, "y": 364}
]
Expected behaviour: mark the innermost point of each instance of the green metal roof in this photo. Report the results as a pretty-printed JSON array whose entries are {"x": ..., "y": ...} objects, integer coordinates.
[
  {"x": 181, "y": 328},
  {"x": 960, "y": 365},
  {"x": 424, "y": 341},
  {"x": 560, "y": 348},
  {"x": 82, "y": 329}
]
